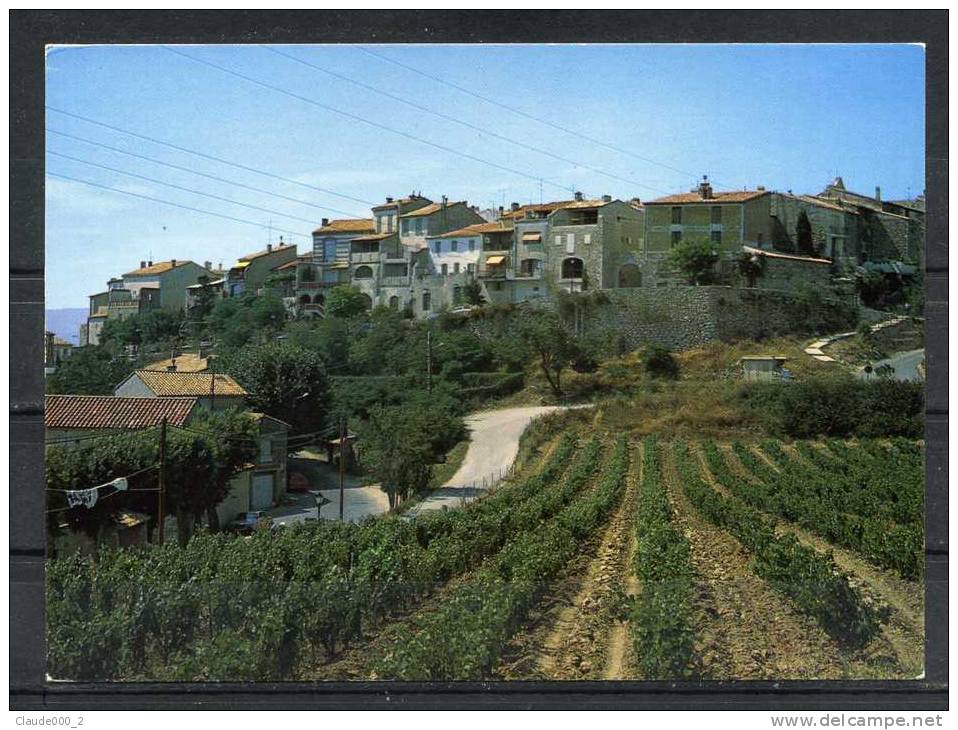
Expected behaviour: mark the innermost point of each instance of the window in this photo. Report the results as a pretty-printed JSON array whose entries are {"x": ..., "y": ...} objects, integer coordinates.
[
  {"x": 587, "y": 238},
  {"x": 405, "y": 227},
  {"x": 363, "y": 272},
  {"x": 457, "y": 295},
  {"x": 558, "y": 240},
  {"x": 265, "y": 451},
  {"x": 676, "y": 238},
  {"x": 394, "y": 302},
  {"x": 572, "y": 268},
  {"x": 454, "y": 245},
  {"x": 455, "y": 268},
  {"x": 445, "y": 269},
  {"x": 471, "y": 268},
  {"x": 437, "y": 246},
  {"x": 717, "y": 238},
  {"x": 716, "y": 214},
  {"x": 472, "y": 244},
  {"x": 676, "y": 215},
  {"x": 418, "y": 226},
  {"x": 426, "y": 301}
]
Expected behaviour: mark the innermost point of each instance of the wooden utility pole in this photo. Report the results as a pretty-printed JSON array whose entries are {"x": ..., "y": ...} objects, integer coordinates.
[
  {"x": 429, "y": 360},
  {"x": 162, "y": 481},
  {"x": 342, "y": 467}
]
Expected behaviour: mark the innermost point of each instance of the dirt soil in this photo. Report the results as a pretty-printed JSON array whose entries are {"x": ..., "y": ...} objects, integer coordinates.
[{"x": 745, "y": 629}]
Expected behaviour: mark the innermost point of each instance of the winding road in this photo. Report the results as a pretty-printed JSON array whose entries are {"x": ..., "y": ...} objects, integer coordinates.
[
  {"x": 493, "y": 448},
  {"x": 905, "y": 365}
]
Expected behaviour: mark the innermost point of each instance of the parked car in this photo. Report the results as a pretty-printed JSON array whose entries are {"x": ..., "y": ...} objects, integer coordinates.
[{"x": 247, "y": 522}]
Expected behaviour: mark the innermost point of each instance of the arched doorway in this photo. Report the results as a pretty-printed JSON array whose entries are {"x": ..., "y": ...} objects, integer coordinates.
[
  {"x": 367, "y": 301},
  {"x": 304, "y": 299},
  {"x": 630, "y": 276},
  {"x": 572, "y": 268},
  {"x": 363, "y": 272},
  {"x": 394, "y": 302},
  {"x": 319, "y": 299}
]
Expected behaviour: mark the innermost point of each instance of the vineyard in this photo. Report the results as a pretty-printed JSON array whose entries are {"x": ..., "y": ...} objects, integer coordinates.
[{"x": 602, "y": 557}]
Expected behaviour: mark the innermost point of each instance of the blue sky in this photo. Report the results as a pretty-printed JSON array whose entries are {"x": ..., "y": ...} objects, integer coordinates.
[{"x": 786, "y": 117}]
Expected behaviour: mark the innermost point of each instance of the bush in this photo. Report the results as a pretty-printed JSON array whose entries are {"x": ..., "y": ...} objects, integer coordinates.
[
  {"x": 839, "y": 406},
  {"x": 660, "y": 363}
]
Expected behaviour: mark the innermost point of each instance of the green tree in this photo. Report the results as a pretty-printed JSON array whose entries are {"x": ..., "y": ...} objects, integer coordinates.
[
  {"x": 550, "y": 344},
  {"x": 205, "y": 300},
  {"x": 803, "y": 234},
  {"x": 751, "y": 266},
  {"x": 90, "y": 370},
  {"x": 695, "y": 259},
  {"x": 345, "y": 302},
  {"x": 660, "y": 363},
  {"x": 284, "y": 381},
  {"x": 472, "y": 293},
  {"x": 872, "y": 287}
]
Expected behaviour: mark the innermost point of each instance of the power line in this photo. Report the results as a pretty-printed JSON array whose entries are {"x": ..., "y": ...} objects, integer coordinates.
[
  {"x": 175, "y": 205},
  {"x": 358, "y": 118},
  {"x": 204, "y": 155},
  {"x": 461, "y": 122},
  {"x": 93, "y": 436},
  {"x": 201, "y": 174},
  {"x": 521, "y": 113},
  {"x": 181, "y": 188}
]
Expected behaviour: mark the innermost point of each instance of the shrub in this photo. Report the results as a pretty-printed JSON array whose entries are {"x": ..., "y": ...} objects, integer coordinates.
[{"x": 660, "y": 363}]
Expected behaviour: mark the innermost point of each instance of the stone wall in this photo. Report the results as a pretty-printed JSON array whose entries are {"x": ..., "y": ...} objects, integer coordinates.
[{"x": 683, "y": 317}]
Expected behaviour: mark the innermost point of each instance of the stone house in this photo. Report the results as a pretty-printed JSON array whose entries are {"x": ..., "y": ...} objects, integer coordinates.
[
  {"x": 214, "y": 391},
  {"x": 432, "y": 219},
  {"x": 251, "y": 271},
  {"x": 55, "y": 351},
  {"x": 329, "y": 264}
]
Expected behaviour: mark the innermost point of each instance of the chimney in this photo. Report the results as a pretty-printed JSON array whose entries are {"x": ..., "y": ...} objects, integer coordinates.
[
  {"x": 173, "y": 263},
  {"x": 501, "y": 211},
  {"x": 269, "y": 247},
  {"x": 636, "y": 201},
  {"x": 171, "y": 368},
  {"x": 878, "y": 193},
  {"x": 761, "y": 188},
  {"x": 445, "y": 201},
  {"x": 578, "y": 195},
  {"x": 705, "y": 188},
  {"x": 606, "y": 198},
  {"x": 208, "y": 265},
  {"x": 514, "y": 207},
  {"x": 389, "y": 200},
  {"x": 149, "y": 263},
  {"x": 325, "y": 222},
  {"x": 143, "y": 264}
]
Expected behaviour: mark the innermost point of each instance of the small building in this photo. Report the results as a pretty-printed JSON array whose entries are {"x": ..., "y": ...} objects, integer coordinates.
[
  {"x": 763, "y": 367},
  {"x": 68, "y": 418},
  {"x": 251, "y": 271},
  {"x": 214, "y": 391},
  {"x": 55, "y": 351}
]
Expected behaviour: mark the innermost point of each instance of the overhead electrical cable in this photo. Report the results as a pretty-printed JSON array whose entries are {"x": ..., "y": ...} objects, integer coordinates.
[
  {"x": 461, "y": 122},
  {"x": 202, "y": 174},
  {"x": 176, "y": 205},
  {"x": 204, "y": 155},
  {"x": 356, "y": 117},
  {"x": 522, "y": 113},
  {"x": 181, "y": 188}
]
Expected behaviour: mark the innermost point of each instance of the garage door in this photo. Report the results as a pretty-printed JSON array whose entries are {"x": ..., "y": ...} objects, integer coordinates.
[{"x": 262, "y": 496}]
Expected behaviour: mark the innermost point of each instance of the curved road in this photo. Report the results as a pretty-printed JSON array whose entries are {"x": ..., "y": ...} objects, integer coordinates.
[
  {"x": 492, "y": 449},
  {"x": 905, "y": 365}
]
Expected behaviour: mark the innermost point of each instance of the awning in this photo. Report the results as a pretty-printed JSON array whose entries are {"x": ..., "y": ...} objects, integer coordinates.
[
  {"x": 495, "y": 260},
  {"x": 531, "y": 237}
]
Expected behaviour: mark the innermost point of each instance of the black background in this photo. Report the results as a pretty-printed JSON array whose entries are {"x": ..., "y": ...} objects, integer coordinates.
[{"x": 31, "y": 30}]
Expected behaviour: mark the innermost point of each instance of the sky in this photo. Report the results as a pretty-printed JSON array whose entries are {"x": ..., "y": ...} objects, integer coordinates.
[{"x": 360, "y": 123}]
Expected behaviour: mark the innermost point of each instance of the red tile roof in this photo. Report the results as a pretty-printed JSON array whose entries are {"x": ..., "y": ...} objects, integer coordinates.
[
  {"x": 166, "y": 383},
  {"x": 554, "y": 205},
  {"x": 77, "y": 412},
  {"x": 159, "y": 268},
  {"x": 736, "y": 196},
  {"x": 348, "y": 225},
  {"x": 475, "y": 229}
]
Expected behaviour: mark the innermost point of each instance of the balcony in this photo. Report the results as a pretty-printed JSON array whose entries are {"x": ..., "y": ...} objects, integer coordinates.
[
  {"x": 310, "y": 285},
  {"x": 366, "y": 257},
  {"x": 394, "y": 281}
]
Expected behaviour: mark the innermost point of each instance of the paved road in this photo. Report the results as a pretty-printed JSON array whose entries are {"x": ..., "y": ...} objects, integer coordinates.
[
  {"x": 360, "y": 501},
  {"x": 493, "y": 447},
  {"x": 904, "y": 363}
]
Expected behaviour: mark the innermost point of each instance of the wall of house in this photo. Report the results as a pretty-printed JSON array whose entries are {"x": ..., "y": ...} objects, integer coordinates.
[
  {"x": 451, "y": 218},
  {"x": 623, "y": 239},
  {"x": 790, "y": 274}
]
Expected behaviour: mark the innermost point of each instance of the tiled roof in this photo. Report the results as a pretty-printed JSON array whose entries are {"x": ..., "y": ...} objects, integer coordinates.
[
  {"x": 826, "y": 203},
  {"x": 401, "y": 201},
  {"x": 186, "y": 362},
  {"x": 159, "y": 268},
  {"x": 348, "y": 225},
  {"x": 736, "y": 196},
  {"x": 375, "y": 236},
  {"x": 293, "y": 264},
  {"x": 430, "y": 209},
  {"x": 165, "y": 383},
  {"x": 553, "y": 206},
  {"x": 75, "y": 412},
  {"x": 265, "y": 252},
  {"x": 475, "y": 229}
]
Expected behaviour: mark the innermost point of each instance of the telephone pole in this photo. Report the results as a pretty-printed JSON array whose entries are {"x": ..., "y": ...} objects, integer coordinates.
[
  {"x": 342, "y": 467},
  {"x": 429, "y": 360},
  {"x": 162, "y": 481}
]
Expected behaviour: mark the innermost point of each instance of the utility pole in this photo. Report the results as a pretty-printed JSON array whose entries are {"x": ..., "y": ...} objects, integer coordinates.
[
  {"x": 162, "y": 480},
  {"x": 429, "y": 360},
  {"x": 342, "y": 467}
]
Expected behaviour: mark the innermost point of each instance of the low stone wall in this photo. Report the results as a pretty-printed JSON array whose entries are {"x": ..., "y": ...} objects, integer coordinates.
[{"x": 683, "y": 317}]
